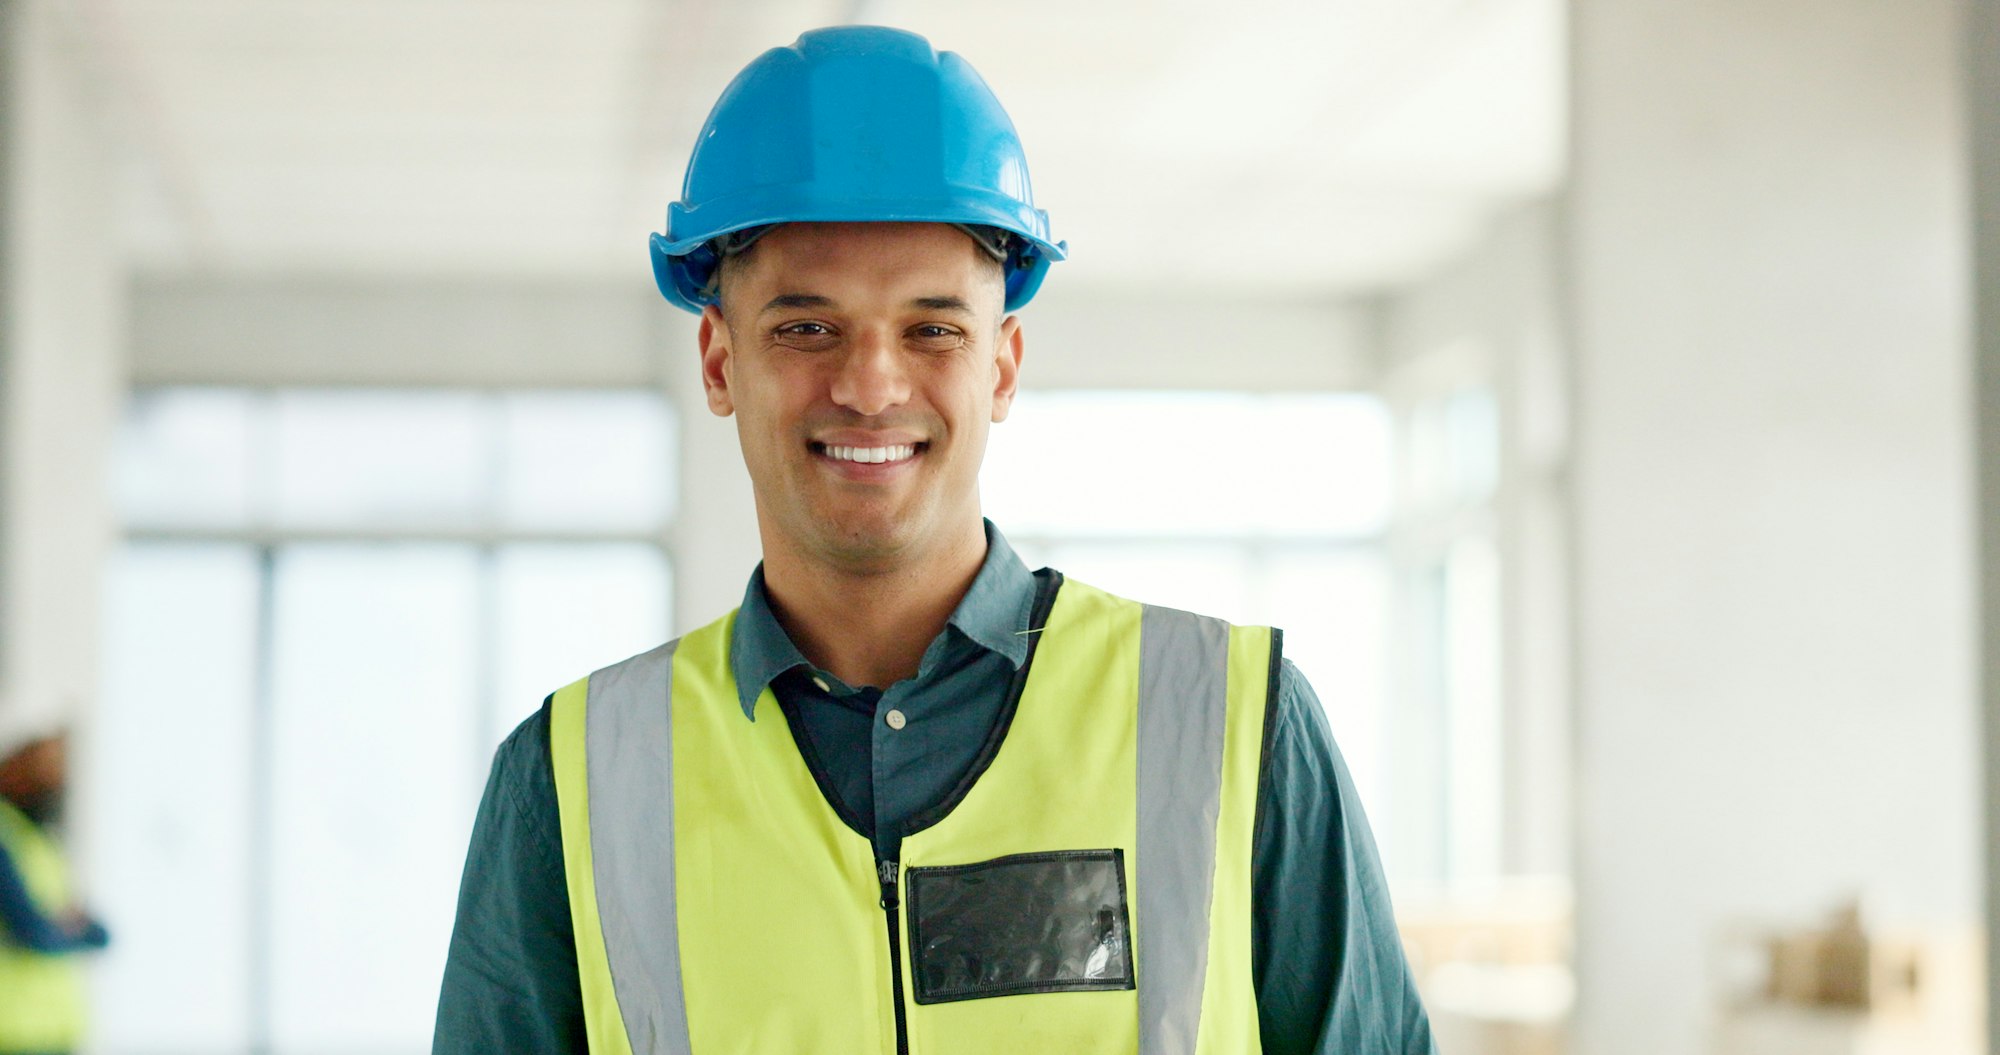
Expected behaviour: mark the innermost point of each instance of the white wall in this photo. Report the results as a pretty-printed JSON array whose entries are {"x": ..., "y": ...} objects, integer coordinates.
[
  {"x": 332, "y": 330},
  {"x": 1772, "y": 505},
  {"x": 1094, "y": 337},
  {"x": 61, "y": 356}
]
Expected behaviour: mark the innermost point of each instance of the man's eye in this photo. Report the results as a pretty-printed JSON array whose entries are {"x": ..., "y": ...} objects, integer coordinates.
[
  {"x": 805, "y": 329},
  {"x": 934, "y": 332}
]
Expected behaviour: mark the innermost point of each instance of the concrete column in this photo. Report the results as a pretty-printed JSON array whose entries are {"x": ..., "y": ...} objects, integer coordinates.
[
  {"x": 1772, "y": 502},
  {"x": 12, "y": 23},
  {"x": 62, "y": 326},
  {"x": 1981, "y": 53}
]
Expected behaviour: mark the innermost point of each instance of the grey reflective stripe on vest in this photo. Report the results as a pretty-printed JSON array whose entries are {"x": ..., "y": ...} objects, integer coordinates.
[
  {"x": 629, "y": 747},
  {"x": 1183, "y": 702}
]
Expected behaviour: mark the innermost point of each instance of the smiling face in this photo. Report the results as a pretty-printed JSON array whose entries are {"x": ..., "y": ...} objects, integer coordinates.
[{"x": 864, "y": 363}]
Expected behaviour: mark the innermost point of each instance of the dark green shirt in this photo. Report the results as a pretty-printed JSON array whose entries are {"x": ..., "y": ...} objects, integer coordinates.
[{"x": 1329, "y": 968}]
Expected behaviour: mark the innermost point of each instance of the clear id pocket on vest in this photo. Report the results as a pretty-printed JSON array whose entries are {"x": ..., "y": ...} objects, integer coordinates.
[{"x": 1029, "y": 923}]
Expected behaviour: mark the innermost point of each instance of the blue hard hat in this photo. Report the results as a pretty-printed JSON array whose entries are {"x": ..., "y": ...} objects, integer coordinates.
[{"x": 853, "y": 123}]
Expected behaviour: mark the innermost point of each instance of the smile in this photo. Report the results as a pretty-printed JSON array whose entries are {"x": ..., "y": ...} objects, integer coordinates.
[{"x": 869, "y": 455}]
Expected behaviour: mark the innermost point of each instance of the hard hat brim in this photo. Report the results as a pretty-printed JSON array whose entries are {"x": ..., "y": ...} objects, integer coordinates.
[{"x": 683, "y": 268}]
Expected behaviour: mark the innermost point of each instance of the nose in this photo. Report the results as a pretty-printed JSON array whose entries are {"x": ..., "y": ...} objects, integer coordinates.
[{"x": 872, "y": 376}]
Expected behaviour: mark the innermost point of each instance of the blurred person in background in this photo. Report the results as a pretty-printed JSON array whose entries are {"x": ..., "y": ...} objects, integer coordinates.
[
  {"x": 42, "y": 928},
  {"x": 844, "y": 818}
]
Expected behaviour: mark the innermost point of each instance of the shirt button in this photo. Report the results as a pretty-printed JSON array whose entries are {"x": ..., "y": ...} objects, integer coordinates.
[
  {"x": 895, "y": 719},
  {"x": 823, "y": 686}
]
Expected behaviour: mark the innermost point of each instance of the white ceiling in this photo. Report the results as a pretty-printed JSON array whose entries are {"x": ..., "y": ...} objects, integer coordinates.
[{"x": 1326, "y": 147}]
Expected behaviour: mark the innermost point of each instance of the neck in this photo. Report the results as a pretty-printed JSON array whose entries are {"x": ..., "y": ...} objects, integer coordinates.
[{"x": 870, "y": 625}]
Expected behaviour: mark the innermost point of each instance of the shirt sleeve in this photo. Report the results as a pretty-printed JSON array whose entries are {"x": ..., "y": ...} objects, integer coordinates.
[
  {"x": 510, "y": 977},
  {"x": 26, "y": 926},
  {"x": 1327, "y": 959}
]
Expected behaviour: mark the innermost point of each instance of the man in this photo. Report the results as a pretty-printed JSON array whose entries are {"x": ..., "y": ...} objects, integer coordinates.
[
  {"x": 42, "y": 930},
  {"x": 909, "y": 797}
]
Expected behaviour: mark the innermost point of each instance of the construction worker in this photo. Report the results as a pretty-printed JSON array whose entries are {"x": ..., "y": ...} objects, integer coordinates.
[
  {"x": 42, "y": 928},
  {"x": 909, "y": 797}
]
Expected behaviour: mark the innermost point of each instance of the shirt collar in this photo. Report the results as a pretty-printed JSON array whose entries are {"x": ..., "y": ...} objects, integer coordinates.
[{"x": 993, "y": 615}]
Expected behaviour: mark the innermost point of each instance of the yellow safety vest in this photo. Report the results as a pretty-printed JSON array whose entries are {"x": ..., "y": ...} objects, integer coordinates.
[
  {"x": 41, "y": 994},
  {"x": 1086, "y": 889}
]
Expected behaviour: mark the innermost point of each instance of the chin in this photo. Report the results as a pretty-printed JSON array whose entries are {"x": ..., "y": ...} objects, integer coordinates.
[
  {"x": 859, "y": 537},
  {"x": 872, "y": 538}
]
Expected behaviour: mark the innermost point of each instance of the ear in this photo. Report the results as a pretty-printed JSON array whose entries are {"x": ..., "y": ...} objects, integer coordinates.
[
  {"x": 713, "y": 338},
  {"x": 1007, "y": 357}
]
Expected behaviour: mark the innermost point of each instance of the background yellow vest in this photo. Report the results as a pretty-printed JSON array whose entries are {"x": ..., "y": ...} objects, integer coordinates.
[{"x": 41, "y": 995}]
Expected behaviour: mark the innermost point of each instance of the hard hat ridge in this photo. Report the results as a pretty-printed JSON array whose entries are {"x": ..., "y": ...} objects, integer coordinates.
[{"x": 854, "y": 123}]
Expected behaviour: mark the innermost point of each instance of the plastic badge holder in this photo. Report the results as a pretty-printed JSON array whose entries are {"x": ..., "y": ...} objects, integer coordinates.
[{"x": 1030, "y": 923}]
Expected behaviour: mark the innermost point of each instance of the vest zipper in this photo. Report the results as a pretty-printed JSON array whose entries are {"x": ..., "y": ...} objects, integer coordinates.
[{"x": 886, "y": 872}]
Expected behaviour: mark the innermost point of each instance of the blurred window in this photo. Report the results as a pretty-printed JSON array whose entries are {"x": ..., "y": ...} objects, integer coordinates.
[
  {"x": 1366, "y": 532},
  {"x": 168, "y": 802},
  {"x": 1445, "y": 821},
  {"x": 1454, "y": 459},
  {"x": 185, "y": 458},
  {"x": 330, "y": 607},
  {"x": 373, "y": 776},
  {"x": 1260, "y": 509},
  {"x": 387, "y": 462},
  {"x": 1173, "y": 464},
  {"x": 347, "y": 460},
  {"x": 586, "y": 460}
]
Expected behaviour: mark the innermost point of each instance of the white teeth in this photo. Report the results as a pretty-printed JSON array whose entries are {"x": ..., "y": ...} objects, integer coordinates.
[{"x": 871, "y": 455}]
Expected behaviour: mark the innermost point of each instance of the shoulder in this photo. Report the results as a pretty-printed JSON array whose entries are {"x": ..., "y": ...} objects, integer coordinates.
[
  {"x": 518, "y": 826},
  {"x": 1301, "y": 757},
  {"x": 1294, "y": 698},
  {"x": 521, "y": 778},
  {"x": 1307, "y": 804}
]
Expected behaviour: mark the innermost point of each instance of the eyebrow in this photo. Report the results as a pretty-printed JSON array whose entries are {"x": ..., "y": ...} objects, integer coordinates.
[
  {"x": 942, "y": 304},
  {"x": 814, "y": 300},
  {"x": 799, "y": 300}
]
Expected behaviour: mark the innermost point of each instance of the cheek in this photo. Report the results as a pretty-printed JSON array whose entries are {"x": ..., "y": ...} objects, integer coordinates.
[
  {"x": 764, "y": 394},
  {"x": 773, "y": 411},
  {"x": 971, "y": 430}
]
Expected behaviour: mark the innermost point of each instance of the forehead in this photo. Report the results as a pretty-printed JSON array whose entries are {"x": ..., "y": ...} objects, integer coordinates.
[{"x": 859, "y": 257}]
